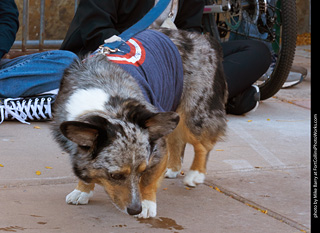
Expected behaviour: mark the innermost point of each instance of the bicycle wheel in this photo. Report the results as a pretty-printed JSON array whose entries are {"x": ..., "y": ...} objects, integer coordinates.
[{"x": 271, "y": 21}]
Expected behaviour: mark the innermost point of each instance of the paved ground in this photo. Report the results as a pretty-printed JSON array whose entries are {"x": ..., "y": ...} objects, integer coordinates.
[{"x": 258, "y": 178}]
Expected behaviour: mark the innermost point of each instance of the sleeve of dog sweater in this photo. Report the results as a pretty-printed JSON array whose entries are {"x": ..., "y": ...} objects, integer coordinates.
[{"x": 9, "y": 24}]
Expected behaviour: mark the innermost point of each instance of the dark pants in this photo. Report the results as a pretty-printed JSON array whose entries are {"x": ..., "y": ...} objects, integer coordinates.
[{"x": 245, "y": 61}]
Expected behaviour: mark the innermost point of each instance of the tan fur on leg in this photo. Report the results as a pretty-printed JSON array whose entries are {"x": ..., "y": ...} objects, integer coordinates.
[{"x": 83, "y": 187}]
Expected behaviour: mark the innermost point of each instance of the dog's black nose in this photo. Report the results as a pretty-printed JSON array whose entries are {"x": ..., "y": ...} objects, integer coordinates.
[{"x": 134, "y": 209}]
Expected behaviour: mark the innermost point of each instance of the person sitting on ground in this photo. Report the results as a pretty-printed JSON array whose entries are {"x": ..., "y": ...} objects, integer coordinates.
[{"x": 28, "y": 83}]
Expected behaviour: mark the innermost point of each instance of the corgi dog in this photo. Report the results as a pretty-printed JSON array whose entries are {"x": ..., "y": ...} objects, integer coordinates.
[{"x": 122, "y": 133}]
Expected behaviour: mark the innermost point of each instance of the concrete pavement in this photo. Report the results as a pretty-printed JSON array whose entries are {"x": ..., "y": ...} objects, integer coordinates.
[{"x": 258, "y": 178}]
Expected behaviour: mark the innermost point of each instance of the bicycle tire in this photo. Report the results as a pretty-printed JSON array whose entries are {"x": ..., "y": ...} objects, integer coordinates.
[{"x": 287, "y": 51}]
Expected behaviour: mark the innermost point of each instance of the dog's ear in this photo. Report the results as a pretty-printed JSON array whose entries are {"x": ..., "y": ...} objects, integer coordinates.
[
  {"x": 83, "y": 134},
  {"x": 162, "y": 124}
]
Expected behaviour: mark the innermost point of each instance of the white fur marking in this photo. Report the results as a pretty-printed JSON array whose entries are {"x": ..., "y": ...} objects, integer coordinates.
[
  {"x": 76, "y": 197},
  {"x": 133, "y": 190},
  {"x": 83, "y": 101},
  {"x": 193, "y": 178},
  {"x": 171, "y": 174},
  {"x": 149, "y": 209}
]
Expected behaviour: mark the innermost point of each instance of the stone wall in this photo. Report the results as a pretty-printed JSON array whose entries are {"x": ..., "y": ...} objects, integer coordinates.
[{"x": 59, "y": 13}]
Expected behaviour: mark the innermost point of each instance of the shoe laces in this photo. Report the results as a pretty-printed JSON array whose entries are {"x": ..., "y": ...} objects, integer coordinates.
[{"x": 23, "y": 109}]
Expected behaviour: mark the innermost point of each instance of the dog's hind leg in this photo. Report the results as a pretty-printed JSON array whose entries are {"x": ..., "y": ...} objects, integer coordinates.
[
  {"x": 81, "y": 194},
  {"x": 196, "y": 174},
  {"x": 176, "y": 147}
]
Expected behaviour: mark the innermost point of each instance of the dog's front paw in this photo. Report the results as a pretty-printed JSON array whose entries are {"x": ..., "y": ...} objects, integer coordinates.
[
  {"x": 193, "y": 178},
  {"x": 171, "y": 174},
  {"x": 149, "y": 209},
  {"x": 77, "y": 197}
]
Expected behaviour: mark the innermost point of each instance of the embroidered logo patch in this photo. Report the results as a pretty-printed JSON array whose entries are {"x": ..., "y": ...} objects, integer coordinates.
[{"x": 132, "y": 53}]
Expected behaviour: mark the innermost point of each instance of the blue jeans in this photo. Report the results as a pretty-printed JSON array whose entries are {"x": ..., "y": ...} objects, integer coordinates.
[{"x": 33, "y": 74}]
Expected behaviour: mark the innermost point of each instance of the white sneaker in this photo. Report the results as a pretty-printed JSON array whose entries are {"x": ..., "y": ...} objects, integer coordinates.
[
  {"x": 296, "y": 76},
  {"x": 36, "y": 108},
  {"x": 293, "y": 79}
]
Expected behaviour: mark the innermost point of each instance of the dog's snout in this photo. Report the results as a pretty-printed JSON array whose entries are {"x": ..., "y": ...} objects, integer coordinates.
[{"x": 134, "y": 209}]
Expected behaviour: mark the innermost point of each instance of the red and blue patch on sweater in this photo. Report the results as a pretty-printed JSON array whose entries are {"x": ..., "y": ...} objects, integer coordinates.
[
  {"x": 132, "y": 53},
  {"x": 154, "y": 61}
]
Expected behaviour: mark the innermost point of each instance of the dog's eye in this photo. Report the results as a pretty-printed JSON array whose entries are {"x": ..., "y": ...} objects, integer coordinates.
[{"x": 117, "y": 176}]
